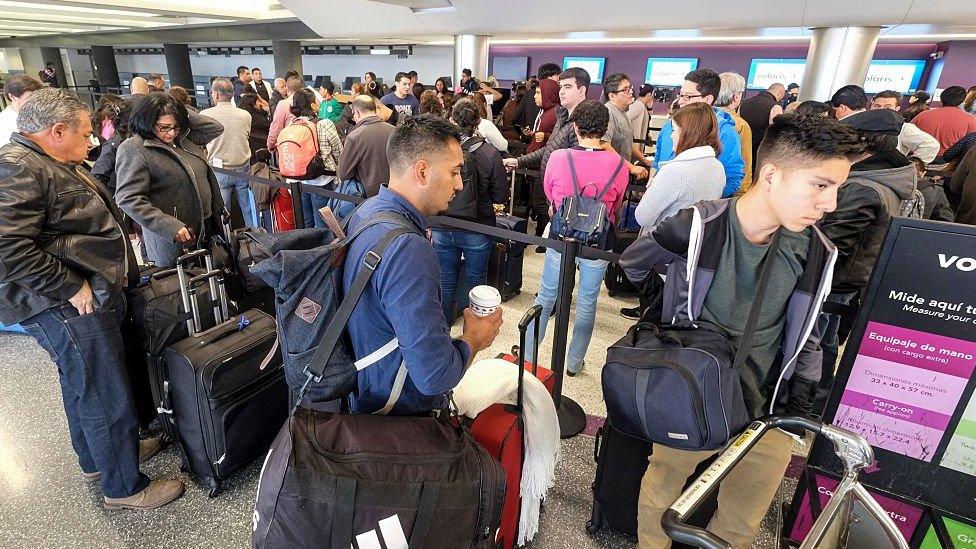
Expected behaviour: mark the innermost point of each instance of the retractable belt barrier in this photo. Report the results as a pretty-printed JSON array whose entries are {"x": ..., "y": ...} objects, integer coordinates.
[{"x": 572, "y": 419}]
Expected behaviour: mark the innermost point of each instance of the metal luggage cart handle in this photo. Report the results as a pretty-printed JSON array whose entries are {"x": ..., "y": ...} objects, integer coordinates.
[{"x": 853, "y": 451}]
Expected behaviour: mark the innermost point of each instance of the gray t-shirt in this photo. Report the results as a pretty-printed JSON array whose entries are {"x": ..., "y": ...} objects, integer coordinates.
[
  {"x": 620, "y": 133},
  {"x": 726, "y": 307}
]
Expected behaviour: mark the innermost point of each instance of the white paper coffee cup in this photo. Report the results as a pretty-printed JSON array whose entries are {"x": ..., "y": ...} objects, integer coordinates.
[{"x": 483, "y": 300}]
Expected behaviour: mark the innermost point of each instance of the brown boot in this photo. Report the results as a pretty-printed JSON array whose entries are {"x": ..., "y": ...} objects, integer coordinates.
[
  {"x": 148, "y": 447},
  {"x": 157, "y": 494}
]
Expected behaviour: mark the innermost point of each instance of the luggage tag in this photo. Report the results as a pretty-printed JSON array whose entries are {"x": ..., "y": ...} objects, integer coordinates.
[{"x": 332, "y": 222}]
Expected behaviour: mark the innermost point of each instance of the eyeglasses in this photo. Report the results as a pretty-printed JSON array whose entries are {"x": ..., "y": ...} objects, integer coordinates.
[
  {"x": 689, "y": 95},
  {"x": 628, "y": 89},
  {"x": 166, "y": 129}
]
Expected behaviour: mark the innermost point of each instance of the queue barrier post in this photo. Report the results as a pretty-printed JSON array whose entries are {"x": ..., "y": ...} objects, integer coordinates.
[
  {"x": 572, "y": 419},
  {"x": 295, "y": 187}
]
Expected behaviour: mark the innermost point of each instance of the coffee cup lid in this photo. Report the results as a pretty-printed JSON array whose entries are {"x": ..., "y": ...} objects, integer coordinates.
[{"x": 485, "y": 295}]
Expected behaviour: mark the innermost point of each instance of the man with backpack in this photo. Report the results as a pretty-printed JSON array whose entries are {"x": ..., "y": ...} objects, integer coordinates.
[
  {"x": 880, "y": 187},
  {"x": 714, "y": 253},
  {"x": 398, "y": 322}
]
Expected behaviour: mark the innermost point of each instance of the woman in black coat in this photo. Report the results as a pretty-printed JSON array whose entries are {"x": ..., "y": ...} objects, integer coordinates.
[{"x": 260, "y": 123}]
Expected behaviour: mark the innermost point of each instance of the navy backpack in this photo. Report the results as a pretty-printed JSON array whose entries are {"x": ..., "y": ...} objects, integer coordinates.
[{"x": 584, "y": 218}]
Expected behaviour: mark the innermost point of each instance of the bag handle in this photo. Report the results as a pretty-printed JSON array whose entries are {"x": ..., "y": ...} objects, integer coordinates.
[
  {"x": 767, "y": 266},
  {"x": 532, "y": 316},
  {"x": 606, "y": 188},
  {"x": 572, "y": 171}
]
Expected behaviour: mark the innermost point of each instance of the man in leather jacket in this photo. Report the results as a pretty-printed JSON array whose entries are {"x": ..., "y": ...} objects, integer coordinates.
[{"x": 64, "y": 262}]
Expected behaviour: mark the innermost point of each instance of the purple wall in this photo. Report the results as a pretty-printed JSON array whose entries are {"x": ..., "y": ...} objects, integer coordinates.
[
  {"x": 632, "y": 59},
  {"x": 959, "y": 64}
]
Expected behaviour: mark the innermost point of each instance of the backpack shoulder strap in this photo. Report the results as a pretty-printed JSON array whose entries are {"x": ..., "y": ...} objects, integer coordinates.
[
  {"x": 609, "y": 184},
  {"x": 572, "y": 171},
  {"x": 472, "y": 144},
  {"x": 371, "y": 262}
]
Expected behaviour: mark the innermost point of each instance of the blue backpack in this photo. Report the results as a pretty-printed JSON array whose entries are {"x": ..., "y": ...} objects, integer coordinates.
[
  {"x": 583, "y": 218},
  {"x": 341, "y": 208}
]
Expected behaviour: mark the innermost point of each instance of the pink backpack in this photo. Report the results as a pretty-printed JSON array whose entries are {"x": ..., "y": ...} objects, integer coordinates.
[{"x": 298, "y": 151}]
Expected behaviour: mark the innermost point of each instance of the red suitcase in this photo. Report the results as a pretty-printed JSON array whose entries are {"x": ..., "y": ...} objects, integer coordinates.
[
  {"x": 282, "y": 213},
  {"x": 499, "y": 429}
]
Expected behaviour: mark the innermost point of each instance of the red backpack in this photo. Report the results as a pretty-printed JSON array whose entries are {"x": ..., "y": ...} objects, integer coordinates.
[{"x": 298, "y": 151}]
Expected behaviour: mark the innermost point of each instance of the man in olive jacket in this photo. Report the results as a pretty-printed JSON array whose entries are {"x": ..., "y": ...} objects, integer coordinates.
[{"x": 64, "y": 263}]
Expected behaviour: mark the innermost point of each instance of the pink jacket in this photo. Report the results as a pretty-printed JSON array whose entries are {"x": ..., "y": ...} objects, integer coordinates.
[
  {"x": 593, "y": 168},
  {"x": 281, "y": 118}
]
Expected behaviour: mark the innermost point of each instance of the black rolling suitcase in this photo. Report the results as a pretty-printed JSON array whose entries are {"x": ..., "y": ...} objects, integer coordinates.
[
  {"x": 225, "y": 386},
  {"x": 621, "y": 461},
  {"x": 505, "y": 262},
  {"x": 615, "y": 279}
]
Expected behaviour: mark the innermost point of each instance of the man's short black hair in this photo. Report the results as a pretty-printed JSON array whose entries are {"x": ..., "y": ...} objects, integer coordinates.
[
  {"x": 549, "y": 69},
  {"x": 412, "y": 74},
  {"x": 611, "y": 84},
  {"x": 147, "y": 111},
  {"x": 801, "y": 141},
  {"x": 329, "y": 86},
  {"x": 645, "y": 90},
  {"x": 576, "y": 73},
  {"x": 813, "y": 108},
  {"x": 241, "y": 70},
  {"x": 953, "y": 96},
  {"x": 793, "y": 86},
  {"x": 889, "y": 94},
  {"x": 591, "y": 118},
  {"x": 400, "y": 75},
  {"x": 466, "y": 72},
  {"x": 707, "y": 80},
  {"x": 851, "y": 96},
  {"x": 256, "y": 69},
  {"x": 419, "y": 137},
  {"x": 291, "y": 73}
]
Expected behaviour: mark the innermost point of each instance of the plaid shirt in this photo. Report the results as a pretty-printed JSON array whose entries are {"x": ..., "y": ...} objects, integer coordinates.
[{"x": 330, "y": 147}]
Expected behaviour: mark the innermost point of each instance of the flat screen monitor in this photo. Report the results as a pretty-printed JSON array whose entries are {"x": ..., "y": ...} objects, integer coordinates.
[
  {"x": 669, "y": 71},
  {"x": 766, "y": 72},
  {"x": 510, "y": 68},
  {"x": 592, "y": 65},
  {"x": 900, "y": 75}
]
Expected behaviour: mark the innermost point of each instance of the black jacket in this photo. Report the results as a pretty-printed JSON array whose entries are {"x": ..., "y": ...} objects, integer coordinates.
[
  {"x": 58, "y": 227},
  {"x": 493, "y": 183},
  {"x": 865, "y": 206},
  {"x": 937, "y": 206},
  {"x": 104, "y": 167}
]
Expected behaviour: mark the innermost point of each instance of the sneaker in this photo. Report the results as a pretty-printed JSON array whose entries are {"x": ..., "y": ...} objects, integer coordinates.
[
  {"x": 571, "y": 373},
  {"x": 540, "y": 249},
  {"x": 156, "y": 495},
  {"x": 633, "y": 313},
  {"x": 91, "y": 478}
]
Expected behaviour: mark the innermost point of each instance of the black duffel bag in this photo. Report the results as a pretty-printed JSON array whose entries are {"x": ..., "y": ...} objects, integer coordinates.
[{"x": 332, "y": 478}]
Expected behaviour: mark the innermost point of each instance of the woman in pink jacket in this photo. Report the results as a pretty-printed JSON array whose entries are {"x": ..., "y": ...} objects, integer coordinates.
[{"x": 596, "y": 170}]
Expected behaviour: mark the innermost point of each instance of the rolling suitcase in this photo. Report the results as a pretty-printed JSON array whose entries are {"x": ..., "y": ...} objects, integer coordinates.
[
  {"x": 505, "y": 262},
  {"x": 282, "y": 212},
  {"x": 621, "y": 461},
  {"x": 615, "y": 279},
  {"x": 499, "y": 428},
  {"x": 226, "y": 387}
]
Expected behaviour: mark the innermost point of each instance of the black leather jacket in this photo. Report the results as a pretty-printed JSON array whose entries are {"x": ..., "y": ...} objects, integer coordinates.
[{"x": 58, "y": 227}]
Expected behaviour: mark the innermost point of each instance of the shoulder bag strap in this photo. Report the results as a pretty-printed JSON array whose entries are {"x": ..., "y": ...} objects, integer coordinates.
[
  {"x": 610, "y": 181},
  {"x": 745, "y": 343}
]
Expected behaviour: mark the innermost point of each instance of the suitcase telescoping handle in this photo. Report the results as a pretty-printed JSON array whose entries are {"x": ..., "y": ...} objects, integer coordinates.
[
  {"x": 853, "y": 451},
  {"x": 219, "y": 306},
  {"x": 181, "y": 262},
  {"x": 532, "y": 316}
]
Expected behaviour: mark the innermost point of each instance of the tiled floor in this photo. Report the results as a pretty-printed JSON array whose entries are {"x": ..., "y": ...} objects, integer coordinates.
[{"x": 44, "y": 505}]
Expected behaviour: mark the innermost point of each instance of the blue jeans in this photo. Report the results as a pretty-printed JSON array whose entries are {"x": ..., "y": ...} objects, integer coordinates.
[
  {"x": 591, "y": 272},
  {"x": 234, "y": 185},
  {"x": 450, "y": 245},
  {"x": 97, "y": 398}
]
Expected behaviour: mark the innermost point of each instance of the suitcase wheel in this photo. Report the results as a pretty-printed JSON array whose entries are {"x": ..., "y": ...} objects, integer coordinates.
[
  {"x": 596, "y": 522},
  {"x": 515, "y": 350},
  {"x": 215, "y": 488}
]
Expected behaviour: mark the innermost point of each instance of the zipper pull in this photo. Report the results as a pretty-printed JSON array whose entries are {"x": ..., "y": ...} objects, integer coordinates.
[{"x": 221, "y": 460}]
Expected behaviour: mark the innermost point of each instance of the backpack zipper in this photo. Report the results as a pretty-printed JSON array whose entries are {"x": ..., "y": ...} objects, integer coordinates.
[{"x": 358, "y": 457}]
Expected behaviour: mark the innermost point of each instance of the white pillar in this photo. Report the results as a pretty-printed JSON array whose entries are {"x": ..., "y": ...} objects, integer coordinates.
[
  {"x": 470, "y": 52},
  {"x": 838, "y": 56}
]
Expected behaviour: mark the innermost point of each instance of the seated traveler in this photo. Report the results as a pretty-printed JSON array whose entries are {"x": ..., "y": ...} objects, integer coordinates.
[
  {"x": 801, "y": 164},
  {"x": 64, "y": 263},
  {"x": 402, "y": 302},
  {"x": 594, "y": 171}
]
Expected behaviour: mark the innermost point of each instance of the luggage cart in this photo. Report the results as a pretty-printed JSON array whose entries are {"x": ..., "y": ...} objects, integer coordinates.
[{"x": 852, "y": 518}]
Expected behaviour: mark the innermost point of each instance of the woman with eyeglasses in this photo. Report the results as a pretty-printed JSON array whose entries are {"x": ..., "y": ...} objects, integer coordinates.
[{"x": 163, "y": 180}]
